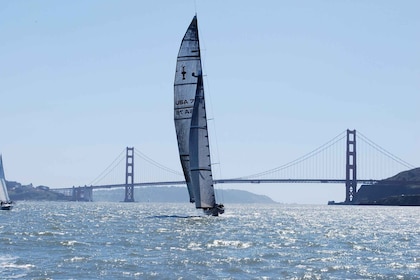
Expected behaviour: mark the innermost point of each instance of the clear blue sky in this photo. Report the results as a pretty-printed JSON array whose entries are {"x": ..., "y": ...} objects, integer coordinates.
[{"x": 81, "y": 80}]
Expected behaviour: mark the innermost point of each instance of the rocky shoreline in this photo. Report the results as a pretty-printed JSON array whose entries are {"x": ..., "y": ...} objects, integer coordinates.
[{"x": 402, "y": 189}]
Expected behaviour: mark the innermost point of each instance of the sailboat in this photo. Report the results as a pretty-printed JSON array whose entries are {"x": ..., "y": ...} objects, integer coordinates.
[
  {"x": 191, "y": 124},
  {"x": 5, "y": 202}
]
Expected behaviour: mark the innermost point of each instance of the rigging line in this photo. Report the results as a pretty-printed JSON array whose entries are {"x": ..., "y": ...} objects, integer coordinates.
[
  {"x": 195, "y": 6},
  {"x": 215, "y": 154},
  {"x": 384, "y": 152},
  {"x": 157, "y": 164},
  {"x": 220, "y": 197},
  {"x": 203, "y": 54},
  {"x": 213, "y": 130},
  {"x": 113, "y": 165},
  {"x": 311, "y": 154}
]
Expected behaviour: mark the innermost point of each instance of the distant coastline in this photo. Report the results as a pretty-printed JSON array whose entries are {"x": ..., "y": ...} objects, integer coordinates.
[
  {"x": 174, "y": 194},
  {"x": 402, "y": 189},
  {"x": 18, "y": 192}
]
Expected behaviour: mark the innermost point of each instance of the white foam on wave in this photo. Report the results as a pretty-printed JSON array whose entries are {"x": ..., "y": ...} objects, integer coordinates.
[
  {"x": 194, "y": 246},
  {"x": 76, "y": 259},
  {"x": 9, "y": 264},
  {"x": 50, "y": 233},
  {"x": 229, "y": 243},
  {"x": 73, "y": 243}
]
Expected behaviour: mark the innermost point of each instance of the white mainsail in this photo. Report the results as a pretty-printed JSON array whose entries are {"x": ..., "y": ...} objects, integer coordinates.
[
  {"x": 4, "y": 195},
  {"x": 191, "y": 124}
]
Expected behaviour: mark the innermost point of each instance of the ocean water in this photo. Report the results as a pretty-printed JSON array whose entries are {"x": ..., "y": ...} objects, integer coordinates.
[{"x": 174, "y": 241}]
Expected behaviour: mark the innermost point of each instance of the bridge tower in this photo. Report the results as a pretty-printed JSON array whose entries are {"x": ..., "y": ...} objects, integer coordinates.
[
  {"x": 82, "y": 194},
  {"x": 351, "y": 176},
  {"x": 129, "y": 175}
]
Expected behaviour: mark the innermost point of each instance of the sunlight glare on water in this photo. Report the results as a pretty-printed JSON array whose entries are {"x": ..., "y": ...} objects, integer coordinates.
[{"x": 174, "y": 241}]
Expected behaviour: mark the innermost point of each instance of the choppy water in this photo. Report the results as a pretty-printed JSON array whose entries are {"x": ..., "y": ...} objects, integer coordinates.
[{"x": 157, "y": 241}]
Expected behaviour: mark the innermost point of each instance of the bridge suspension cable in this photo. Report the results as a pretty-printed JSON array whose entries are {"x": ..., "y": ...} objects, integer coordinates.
[
  {"x": 328, "y": 162},
  {"x": 301, "y": 159},
  {"x": 376, "y": 162},
  {"x": 155, "y": 163},
  {"x": 151, "y": 172},
  {"x": 383, "y": 151},
  {"x": 109, "y": 169}
]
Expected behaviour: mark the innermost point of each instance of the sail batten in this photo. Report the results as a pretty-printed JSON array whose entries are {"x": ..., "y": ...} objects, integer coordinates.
[{"x": 191, "y": 123}]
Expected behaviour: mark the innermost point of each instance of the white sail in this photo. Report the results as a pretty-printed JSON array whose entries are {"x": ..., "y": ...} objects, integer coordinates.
[
  {"x": 1, "y": 168},
  {"x": 185, "y": 85},
  {"x": 200, "y": 162},
  {"x": 4, "y": 195}
]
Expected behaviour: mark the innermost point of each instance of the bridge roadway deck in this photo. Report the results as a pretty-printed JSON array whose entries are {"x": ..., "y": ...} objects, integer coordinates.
[{"x": 231, "y": 181}]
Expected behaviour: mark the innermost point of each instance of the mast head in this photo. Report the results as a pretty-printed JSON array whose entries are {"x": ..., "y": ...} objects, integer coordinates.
[{"x": 194, "y": 22}]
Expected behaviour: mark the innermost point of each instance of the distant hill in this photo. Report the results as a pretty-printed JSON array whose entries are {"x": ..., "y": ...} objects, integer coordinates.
[
  {"x": 178, "y": 194},
  {"x": 17, "y": 191},
  {"x": 409, "y": 175},
  {"x": 400, "y": 189}
]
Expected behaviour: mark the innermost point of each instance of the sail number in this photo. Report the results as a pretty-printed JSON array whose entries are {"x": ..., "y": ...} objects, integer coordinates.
[
  {"x": 183, "y": 113},
  {"x": 184, "y": 107},
  {"x": 184, "y": 102}
]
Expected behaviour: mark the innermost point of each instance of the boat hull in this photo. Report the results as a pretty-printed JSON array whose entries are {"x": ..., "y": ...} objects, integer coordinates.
[
  {"x": 217, "y": 210},
  {"x": 6, "y": 207}
]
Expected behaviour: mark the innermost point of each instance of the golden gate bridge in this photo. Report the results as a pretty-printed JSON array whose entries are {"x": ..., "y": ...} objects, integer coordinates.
[{"x": 345, "y": 159}]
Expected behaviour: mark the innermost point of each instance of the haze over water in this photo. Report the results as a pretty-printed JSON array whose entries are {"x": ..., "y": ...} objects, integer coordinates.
[{"x": 173, "y": 241}]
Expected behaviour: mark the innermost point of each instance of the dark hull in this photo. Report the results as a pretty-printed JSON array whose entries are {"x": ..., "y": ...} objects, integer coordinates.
[
  {"x": 217, "y": 210},
  {"x": 6, "y": 207}
]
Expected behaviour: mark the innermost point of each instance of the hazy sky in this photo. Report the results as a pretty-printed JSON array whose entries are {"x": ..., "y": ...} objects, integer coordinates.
[{"x": 81, "y": 80}]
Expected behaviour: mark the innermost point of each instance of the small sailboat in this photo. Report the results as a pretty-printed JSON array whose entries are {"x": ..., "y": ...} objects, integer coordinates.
[
  {"x": 191, "y": 124},
  {"x": 5, "y": 202}
]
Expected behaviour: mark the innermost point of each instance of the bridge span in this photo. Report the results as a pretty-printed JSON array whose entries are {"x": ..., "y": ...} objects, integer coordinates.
[
  {"x": 85, "y": 193},
  {"x": 327, "y": 152},
  {"x": 228, "y": 181}
]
